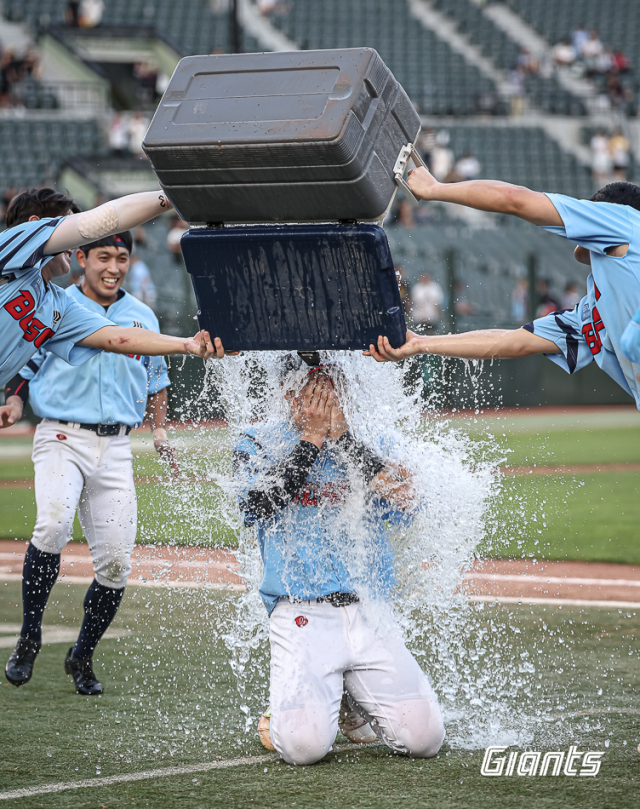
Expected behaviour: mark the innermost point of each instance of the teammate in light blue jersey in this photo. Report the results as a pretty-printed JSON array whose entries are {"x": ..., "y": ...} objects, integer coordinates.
[
  {"x": 35, "y": 249},
  {"x": 82, "y": 459},
  {"x": 606, "y": 230}
]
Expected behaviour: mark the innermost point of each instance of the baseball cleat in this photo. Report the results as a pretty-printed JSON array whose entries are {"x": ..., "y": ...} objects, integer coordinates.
[
  {"x": 353, "y": 726},
  {"x": 83, "y": 676},
  {"x": 19, "y": 666},
  {"x": 264, "y": 730}
]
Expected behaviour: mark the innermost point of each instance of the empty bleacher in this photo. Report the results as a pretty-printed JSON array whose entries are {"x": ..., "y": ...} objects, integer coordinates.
[
  {"x": 438, "y": 79},
  {"x": 190, "y": 27},
  {"x": 488, "y": 263},
  {"x": 545, "y": 92},
  {"x": 31, "y": 151}
]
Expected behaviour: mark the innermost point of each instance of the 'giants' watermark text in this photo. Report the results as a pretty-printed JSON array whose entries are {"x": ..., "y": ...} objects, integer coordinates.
[{"x": 572, "y": 763}]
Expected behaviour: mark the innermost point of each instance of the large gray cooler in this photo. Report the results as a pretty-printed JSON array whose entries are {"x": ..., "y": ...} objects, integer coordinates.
[{"x": 302, "y": 136}]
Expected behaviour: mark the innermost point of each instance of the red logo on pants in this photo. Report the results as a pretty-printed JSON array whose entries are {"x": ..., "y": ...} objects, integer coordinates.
[
  {"x": 301, "y": 620},
  {"x": 61, "y": 437}
]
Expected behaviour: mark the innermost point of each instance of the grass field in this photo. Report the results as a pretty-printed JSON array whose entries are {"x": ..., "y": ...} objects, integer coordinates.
[
  {"x": 171, "y": 700},
  {"x": 591, "y": 515}
]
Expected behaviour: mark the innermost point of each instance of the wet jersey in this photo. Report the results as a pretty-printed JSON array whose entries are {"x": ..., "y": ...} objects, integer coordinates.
[
  {"x": 110, "y": 388},
  {"x": 596, "y": 325},
  {"x": 32, "y": 313},
  {"x": 309, "y": 548}
]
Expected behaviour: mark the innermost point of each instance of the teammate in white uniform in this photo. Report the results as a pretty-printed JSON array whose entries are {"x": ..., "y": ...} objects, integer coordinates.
[
  {"x": 35, "y": 248},
  {"x": 297, "y": 479},
  {"x": 82, "y": 459},
  {"x": 601, "y": 327}
]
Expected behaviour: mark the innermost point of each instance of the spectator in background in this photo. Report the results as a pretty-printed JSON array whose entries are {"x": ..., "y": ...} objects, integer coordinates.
[
  {"x": 619, "y": 148},
  {"x": 527, "y": 62},
  {"x": 140, "y": 283},
  {"x": 571, "y": 296},
  {"x": 463, "y": 307},
  {"x": 426, "y": 143},
  {"x": 427, "y": 300},
  {"x": 405, "y": 214},
  {"x": 91, "y": 12},
  {"x": 441, "y": 156},
  {"x": 516, "y": 90},
  {"x": 138, "y": 126},
  {"x": 578, "y": 37},
  {"x": 176, "y": 231},
  {"x": 600, "y": 158},
  {"x": 72, "y": 14},
  {"x": 547, "y": 302},
  {"x": 563, "y": 54},
  {"x": 468, "y": 167},
  {"x": 119, "y": 135},
  {"x": 520, "y": 302}
]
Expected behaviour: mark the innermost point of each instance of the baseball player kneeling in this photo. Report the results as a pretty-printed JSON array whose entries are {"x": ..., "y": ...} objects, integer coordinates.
[
  {"x": 82, "y": 459},
  {"x": 330, "y": 667}
]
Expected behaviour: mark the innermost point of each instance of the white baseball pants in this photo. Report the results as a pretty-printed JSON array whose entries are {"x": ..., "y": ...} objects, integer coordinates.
[
  {"x": 76, "y": 469},
  {"x": 316, "y": 651}
]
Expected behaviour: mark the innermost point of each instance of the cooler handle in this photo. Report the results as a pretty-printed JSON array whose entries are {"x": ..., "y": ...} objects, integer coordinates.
[{"x": 408, "y": 151}]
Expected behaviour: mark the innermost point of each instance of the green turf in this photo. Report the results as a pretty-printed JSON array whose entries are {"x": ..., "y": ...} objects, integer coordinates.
[
  {"x": 171, "y": 700},
  {"x": 583, "y": 517}
]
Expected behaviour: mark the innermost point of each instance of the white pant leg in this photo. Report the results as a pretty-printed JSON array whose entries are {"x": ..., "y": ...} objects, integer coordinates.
[
  {"x": 307, "y": 664},
  {"x": 60, "y": 466},
  {"x": 387, "y": 682},
  {"x": 108, "y": 511}
]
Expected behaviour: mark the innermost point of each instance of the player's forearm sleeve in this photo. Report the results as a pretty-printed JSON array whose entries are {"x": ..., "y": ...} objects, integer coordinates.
[
  {"x": 361, "y": 456},
  {"x": 17, "y": 387},
  {"x": 283, "y": 482},
  {"x": 116, "y": 216}
]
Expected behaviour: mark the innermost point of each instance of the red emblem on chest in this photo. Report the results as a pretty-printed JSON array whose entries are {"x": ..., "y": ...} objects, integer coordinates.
[
  {"x": 301, "y": 620},
  {"x": 61, "y": 437}
]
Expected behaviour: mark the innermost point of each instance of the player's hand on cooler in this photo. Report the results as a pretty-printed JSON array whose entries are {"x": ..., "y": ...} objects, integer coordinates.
[
  {"x": 383, "y": 352},
  {"x": 11, "y": 412},
  {"x": 201, "y": 345},
  {"x": 312, "y": 410},
  {"x": 422, "y": 182},
  {"x": 395, "y": 485}
]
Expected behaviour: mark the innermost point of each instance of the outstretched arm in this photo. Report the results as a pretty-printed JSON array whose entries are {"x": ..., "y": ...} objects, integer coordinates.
[
  {"x": 112, "y": 217},
  {"x": 156, "y": 415},
  {"x": 487, "y": 195},
  {"x": 121, "y": 340},
  {"x": 485, "y": 344}
]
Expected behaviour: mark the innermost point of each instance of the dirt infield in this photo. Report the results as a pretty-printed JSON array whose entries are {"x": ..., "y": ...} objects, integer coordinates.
[{"x": 489, "y": 580}]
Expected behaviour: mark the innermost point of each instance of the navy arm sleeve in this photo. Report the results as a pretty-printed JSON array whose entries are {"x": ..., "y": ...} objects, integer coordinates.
[
  {"x": 363, "y": 458},
  {"x": 281, "y": 483}
]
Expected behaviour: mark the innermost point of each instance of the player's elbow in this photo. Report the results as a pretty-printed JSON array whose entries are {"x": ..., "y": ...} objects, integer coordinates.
[{"x": 516, "y": 200}]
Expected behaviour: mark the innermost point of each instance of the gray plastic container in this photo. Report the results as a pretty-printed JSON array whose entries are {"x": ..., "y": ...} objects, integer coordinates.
[{"x": 301, "y": 136}]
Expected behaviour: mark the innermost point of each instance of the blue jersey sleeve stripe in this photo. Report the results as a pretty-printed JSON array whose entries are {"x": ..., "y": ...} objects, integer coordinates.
[
  {"x": 572, "y": 342},
  {"x": 7, "y": 258}
]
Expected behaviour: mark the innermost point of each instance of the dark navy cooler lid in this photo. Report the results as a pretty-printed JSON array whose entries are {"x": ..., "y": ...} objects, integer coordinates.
[{"x": 295, "y": 287}]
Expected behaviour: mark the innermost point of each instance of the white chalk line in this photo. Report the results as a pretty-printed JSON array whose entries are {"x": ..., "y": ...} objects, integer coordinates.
[
  {"x": 214, "y": 585},
  {"x": 146, "y": 775},
  {"x": 491, "y": 599},
  {"x": 552, "y": 579},
  {"x": 557, "y": 602}
]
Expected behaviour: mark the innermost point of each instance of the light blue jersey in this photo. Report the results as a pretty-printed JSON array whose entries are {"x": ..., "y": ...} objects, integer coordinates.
[
  {"x": 33, "y": 313},
  {"x": 593, "y": 330},
  {"x": 631, "y": 339},
  {"x": 307, "y": 548},
  {"x": 109, "y": 388}
]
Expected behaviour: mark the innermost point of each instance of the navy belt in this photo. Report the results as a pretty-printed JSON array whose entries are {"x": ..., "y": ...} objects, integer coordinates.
[{"x": 99, "y": 429}]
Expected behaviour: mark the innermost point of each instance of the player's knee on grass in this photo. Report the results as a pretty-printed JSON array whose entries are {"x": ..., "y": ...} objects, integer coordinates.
[
  {"x": 302, "y": 736},
  {"x": 414, "y": 727}
]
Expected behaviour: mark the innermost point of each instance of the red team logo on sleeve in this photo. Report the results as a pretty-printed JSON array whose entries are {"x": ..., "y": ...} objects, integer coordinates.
[
  {"x": 21, "y": 309},
  {"x": 591, "y": 331}
]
